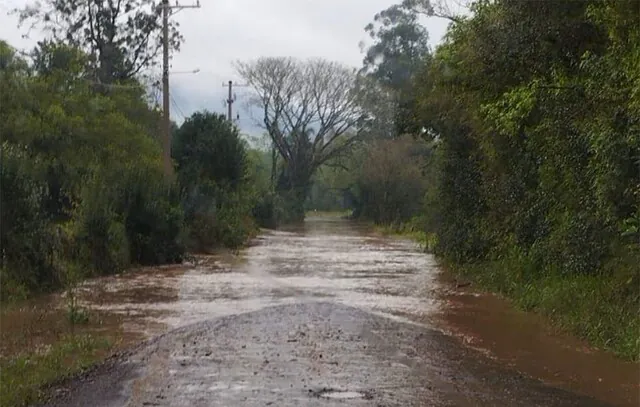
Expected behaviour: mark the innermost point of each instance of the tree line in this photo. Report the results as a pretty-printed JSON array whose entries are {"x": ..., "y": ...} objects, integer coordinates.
[
  {"x": 81, "y": 187},
  {"x": 521, "y": 132}
]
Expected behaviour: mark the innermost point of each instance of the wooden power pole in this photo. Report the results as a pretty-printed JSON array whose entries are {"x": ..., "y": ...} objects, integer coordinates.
[{"x": 166, "y": 114}]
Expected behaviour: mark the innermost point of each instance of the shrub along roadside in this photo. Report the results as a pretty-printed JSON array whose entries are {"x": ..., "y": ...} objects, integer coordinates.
[
  {"x": 24, "y": 378},
  {"x": 534, "y": 181},
  {"x": 213, "y": 175},
  {"x": 597, "y": 308},
  {"x": 83, "y": 192},
  {"x": 82, "y": 186}
]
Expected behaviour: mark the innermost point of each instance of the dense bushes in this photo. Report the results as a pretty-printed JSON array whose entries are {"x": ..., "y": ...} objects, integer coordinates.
[
  {"x": 81, "y": 188},
  {"x": 135, "y": 217},
  {"x": 82, "y": 191},
  {"x": 540, "y": 139},
  {"x": 269, "y": 210},
  {"x": 390, "y": 183},
  {"x": 538, "y": 171},
  {"x": 383, "y": 181},
  {"x": 533, "y": 187},
  {"x": 214, "y": 179},
  {"x": 26, "y": 236}
]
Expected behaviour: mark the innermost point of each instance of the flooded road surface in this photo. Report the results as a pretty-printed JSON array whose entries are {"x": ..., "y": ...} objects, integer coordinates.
[{"x": 329, "y": 314}]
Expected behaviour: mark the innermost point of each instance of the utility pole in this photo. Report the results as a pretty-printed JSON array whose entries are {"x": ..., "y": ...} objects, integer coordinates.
[
  {"x": 166, "y": 121},
  {"x": 166, "y": 114},
  {"x": 231, "y": 99}
]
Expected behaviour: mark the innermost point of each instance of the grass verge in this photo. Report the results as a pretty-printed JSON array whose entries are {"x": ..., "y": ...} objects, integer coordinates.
[
  {"x": 602, "y": 309},
  {"x": 329, "y": 214},
  {"x": 405, "y": 230},
  {"x": 25, "y": 378}
]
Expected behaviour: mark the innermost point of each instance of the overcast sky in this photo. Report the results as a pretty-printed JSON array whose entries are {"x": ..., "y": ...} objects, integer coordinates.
[{"x": 223, "y": 31}]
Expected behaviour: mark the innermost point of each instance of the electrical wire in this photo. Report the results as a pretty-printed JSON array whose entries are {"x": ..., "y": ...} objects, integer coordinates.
[{"x": 178, "y": 109}]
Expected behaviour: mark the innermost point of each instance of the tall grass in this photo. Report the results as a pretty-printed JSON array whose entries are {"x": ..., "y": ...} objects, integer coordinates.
[
  {"x": 600, "y": 308},
  {"x": 24, "y": 378}
]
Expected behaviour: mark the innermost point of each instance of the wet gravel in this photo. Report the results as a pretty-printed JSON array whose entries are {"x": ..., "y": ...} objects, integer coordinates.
[{"x": 313, "y": 354}]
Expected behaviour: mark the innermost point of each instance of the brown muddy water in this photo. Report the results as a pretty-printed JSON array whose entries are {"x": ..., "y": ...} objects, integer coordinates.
[{"x": 326, "y": 259}]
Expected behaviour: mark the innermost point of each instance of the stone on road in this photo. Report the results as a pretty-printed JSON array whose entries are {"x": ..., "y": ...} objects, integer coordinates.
[{"x": 309, "y": 354}]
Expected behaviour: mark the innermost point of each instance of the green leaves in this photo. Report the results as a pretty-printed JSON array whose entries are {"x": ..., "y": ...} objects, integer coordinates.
[
  {"x": 212, "y": 168},
  {"x": 538, "y": 125},
  {"x": 122, "y": 37},
  {"x": 511, "y": 111},
  {"x": 207, "y": 147},
  {"x": 83, "y": 174},
  {"x": 399, "y": 51}
]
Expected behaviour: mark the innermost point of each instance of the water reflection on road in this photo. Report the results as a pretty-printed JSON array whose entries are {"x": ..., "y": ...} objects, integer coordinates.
[{"x": 329, "y": 259}]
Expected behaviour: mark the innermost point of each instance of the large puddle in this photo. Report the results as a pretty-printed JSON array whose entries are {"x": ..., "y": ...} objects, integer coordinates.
[{"x": 327, "y": 259}]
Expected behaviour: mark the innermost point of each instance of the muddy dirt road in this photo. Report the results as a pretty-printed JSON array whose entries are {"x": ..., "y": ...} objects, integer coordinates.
[{"x": 326, "y": 315}]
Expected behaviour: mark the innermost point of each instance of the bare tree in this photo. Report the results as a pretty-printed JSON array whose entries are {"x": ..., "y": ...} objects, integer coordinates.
[
  {"x": 447, "y": 9},
  {"x": 306, "y": 106},
  {"x": 310, "y": 110}
]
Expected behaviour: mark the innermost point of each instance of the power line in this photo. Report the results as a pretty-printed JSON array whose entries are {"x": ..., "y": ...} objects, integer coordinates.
[{"x": 175, "y": 104}]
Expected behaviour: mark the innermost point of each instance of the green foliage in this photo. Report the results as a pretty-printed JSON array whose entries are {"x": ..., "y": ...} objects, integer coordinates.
[
  {"x": 399, "y": 50},
  {"x": 100, "y": 236},
  {"x": 214, "y": 177},
  {"x": 390, "y": 185},
  {"x": 533, "y": 107},
  {"x": 76, "y": 314},
  {"x": 83, "y": 191},
  {"x": 291, "y": 204},
  {"x": 26, "y": 236},
  {"x": 134, "y": 218},
  {"x": 24, "y": 377},
  {"x": 269, "y": 211},
  {"x": 595, "y": 307},
  {"x": 218, "y": 217},
  {"x": 122, "y": 38},
  {"x": 532, "y": 111},
  {"x": 535, "y": 138},
  {"x": 401, "y": 44},
  {"x": 82, "y": 188},
  {"x": 208, "y": 147},
  {"x": 153, "y": 218}
]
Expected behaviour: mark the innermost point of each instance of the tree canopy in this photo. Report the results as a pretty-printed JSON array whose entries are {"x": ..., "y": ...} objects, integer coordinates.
[
  {"x": 120, "y": 38},
  {"x": 310, "y": 110},
  {"x": 532, "y": 110}
]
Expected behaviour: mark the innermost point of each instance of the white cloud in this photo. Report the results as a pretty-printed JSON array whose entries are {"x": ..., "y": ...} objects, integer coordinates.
[{"x": 223, "y": 31}]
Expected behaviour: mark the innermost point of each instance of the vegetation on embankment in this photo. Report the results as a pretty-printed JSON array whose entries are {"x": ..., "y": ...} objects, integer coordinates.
[
  {"x": 530, "y": 175},
  {"x": 537, "y": 168},
  {"x": 588, "y": 306},
  {"x": 403, "y": 230},
  {"x": 83, "y": 192},
  {"x": 24, "y": 378}
]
